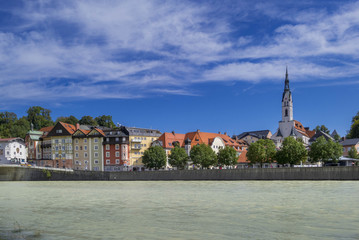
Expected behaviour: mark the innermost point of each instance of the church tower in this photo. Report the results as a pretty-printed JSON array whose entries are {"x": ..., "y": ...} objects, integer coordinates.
[{"x": 287, "y": 101}]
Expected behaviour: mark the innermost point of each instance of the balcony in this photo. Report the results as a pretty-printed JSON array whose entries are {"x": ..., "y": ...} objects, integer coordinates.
[
  {"x": 136, "y": 140},
  {"x": 135, "y": 147}
]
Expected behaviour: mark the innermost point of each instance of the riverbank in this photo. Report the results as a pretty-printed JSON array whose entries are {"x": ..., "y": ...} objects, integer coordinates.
[{"x": 17, "y": 173}]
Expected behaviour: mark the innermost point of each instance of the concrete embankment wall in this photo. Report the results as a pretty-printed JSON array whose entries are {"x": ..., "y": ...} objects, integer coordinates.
[{"x": 326, "y": 173}]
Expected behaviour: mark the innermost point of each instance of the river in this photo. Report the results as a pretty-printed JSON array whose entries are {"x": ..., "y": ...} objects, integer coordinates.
[{"x": 180, "y": 210}]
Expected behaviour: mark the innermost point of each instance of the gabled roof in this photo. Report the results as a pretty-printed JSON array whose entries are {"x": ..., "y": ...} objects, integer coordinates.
[
  {"x": 69, "y": 127},
  {"x": 319, "y": 134},
  {"x": 206, "y": 138},
  {"x": 46, "y": 129},
  {"x": 98, "y": 130},
  {"x": 350, "y": 142},
  {"x": 299, "y": 127},
  {"x": 11, "y": 139},
  {"x": 258, "y": 134},
  {"x": 334, "y": 133},
  {"x": 168, "y": 138}
]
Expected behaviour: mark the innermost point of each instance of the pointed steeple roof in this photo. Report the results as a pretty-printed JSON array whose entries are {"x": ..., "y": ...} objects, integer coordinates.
[{"x": 286, "y": 83}]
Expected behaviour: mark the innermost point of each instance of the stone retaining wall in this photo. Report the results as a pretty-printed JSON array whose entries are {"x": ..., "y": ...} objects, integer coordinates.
[{"x": 13, "y": 173}]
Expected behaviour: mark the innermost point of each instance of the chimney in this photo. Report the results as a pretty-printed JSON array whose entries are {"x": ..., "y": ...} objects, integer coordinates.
[
  {"x": 198, "y": 130},
  {"x": 219, "y": 132},
  {"x": 225, "y": 133},
  {"x": 173, "y": 132},
  {"x": 77, "y": 126}
]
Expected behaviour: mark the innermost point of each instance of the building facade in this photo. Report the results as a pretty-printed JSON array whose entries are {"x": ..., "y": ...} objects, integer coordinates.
[
  {"x": 348, "y": 144},
  {"x": 140, "y": 139},
  {"x": 116, "y": 151},
  {"x": 13, "y": 151}
]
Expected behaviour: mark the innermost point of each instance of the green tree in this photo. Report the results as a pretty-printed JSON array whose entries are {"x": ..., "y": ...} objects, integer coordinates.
[
  {"x": 71, "y": 120},
  {"x": 20, "y": 128},
  {"x": 105, "y": 121},
  {"x": 355, "y": 118},
  {"x": 337, "y": 137},
  {"x": 354, "y": 130},
  {"x": 322, "y": 128},
  {"x": 7, "y": 121},
  {"x": 203, "y": 155},
  {"x": 292, "y": 152},
  {"x": 325, "y": 150},
  {"x": 227, "y": 156},
  {"x": 39, "y": 116},
  {"x": 352, "y": 153},
  {"x": 154, "y": 157},
  {"x": 88, "y": 120},
  {"x": 178, "y": 157},
  {"x": 262, "y": 151}
]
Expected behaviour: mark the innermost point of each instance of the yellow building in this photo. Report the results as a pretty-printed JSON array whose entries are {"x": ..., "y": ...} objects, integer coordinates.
[{"x": 140, "y": 140}]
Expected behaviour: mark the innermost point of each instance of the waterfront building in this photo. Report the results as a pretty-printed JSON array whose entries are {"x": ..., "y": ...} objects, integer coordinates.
[
  {"x": 167, "y": 141},
  {"x": 253, "y": 136},
  {"x": 116, "y": 153},
  {"x": 88, "y": 149},
  {"x": 140, "y": 140},
  {"x": 348, "y": 144},
  {"x": 288, "y": 126},
  {"x": 33, "y": 144},
  {"x": 13, "y": 150},
  {"x": 45, "y": 149},
  {"x": 61, "y": 145}
]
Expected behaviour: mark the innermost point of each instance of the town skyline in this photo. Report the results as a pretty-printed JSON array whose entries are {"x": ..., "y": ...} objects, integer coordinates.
[{"x": 221, "y": 68}]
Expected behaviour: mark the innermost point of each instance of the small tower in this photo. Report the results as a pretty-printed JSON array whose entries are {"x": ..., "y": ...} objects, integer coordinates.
[
  {"x": 187, "y": 145},
  {"x": 287, "y": 101}
]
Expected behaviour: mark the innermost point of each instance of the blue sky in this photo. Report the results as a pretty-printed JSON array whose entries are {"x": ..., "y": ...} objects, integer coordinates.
[{"x": 182, "y": 65}]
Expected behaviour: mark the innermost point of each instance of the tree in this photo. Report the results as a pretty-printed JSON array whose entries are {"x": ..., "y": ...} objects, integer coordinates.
[
  {"x": 7, "y": 121},
  {"x": 352, "y": 153},
  {"x": 88, "y": 120},
  {"x": 39, "y": 116},
  {"x": 227, "y": 156},
  {"x": 292, "y": 152},
  {"x": 322, "y": 128},
  {"x": 325, "y": 151},
  {"x": 203, "y": 155},
  {"x": 354, "y": 130},
  {"x": 20, "y": 128},
  {"x": 71, "y": 120},
  {"x": 154, "y": 157},
  {"x": 105, "y": 121},
  {"x": 262, "y": 151},
  {"x": 178, "y": 157},
  {"x": 355, "y": 118}
]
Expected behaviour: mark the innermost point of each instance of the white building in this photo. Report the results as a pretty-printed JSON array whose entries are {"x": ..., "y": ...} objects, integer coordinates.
[
  {"x": 12, "y": 150},
  {"x": 288, "y": 126}
]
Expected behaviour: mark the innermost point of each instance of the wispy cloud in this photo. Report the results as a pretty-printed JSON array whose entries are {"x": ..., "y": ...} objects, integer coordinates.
[{"x": 132, "y": 49}]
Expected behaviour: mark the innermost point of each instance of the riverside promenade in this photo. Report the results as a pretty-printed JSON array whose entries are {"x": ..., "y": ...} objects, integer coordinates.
[{"x": 19, "y": 173}]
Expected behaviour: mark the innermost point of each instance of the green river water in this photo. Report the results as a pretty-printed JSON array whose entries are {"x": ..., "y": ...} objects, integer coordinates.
[{"x": 180, "y": 210}]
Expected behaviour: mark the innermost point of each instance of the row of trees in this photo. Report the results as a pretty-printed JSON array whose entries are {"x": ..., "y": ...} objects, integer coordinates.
[
  {"x": 293, "y": 151},
  {"x": 12, "y": 126},
  {"x": 201, "y": 155}
]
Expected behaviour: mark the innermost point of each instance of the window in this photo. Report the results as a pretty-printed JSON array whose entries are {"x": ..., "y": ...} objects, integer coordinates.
[
  {"x": 85, "y": 140},
  {"x": 85, "y": 155},
  {"x": 117, "y": 154},
  {"x": 117, "y": 146},
  {"x": 95, "y": 140},
  {"x": 59, "y": 131},
  {"x": 63, "y": 140},
  {"x": 76, "y": 141},
  {"x": 63, "y": 148},
  {"x": 117, "y": 161},
  {"x": 56, "y": 141},
  {"x": 107, "y": 139},
  {"x": 107, "y": 154},
  {"x": 107, "y": 147},
  {"x": 95, "y": 147},
  {"x": 96, "y": 161},
  {"x": 76, "y": 148},
  {"x": 85, "y": 148},
  {"x": 63, "y": 155},
  {"x": 76, "y": 155},
  {"x": 96, "y": 154},
  {"x": 57, "y": 148},
  {"x": 117, "y": 139},
  {"x": 80, "y": 147},
  {"x": 123, "y": 139},
  {"x": 286, "y": 113},
  {"x": 107, "y": 161},
  {"x": 77, "y": 162}
]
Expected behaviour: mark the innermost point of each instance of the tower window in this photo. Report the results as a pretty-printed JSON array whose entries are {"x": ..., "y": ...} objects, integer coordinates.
[{"x": 286, "y": 112}]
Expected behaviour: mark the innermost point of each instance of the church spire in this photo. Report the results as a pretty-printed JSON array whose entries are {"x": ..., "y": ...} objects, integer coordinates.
[{"x": 286, "y": 85}]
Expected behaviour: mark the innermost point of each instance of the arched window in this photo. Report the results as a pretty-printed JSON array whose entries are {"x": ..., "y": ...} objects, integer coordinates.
[{"x": 286, "y": 112}]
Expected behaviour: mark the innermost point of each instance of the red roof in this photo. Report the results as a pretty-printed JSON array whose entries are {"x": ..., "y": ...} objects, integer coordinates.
[
  {"x": 168, "y": 138},
  {"x": 100, "y": 131},
  {"x": 46, "y": 129},
  {"x": 299, "y": 127},
  {"x": 69, "y": 127},
  {"x": 7, "y": 139}
]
